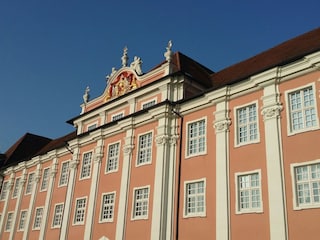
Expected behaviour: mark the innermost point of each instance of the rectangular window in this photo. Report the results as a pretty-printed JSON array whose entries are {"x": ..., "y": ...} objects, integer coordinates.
[
  {"x": 247, "y": 124},
  {"x": 195, "y": 199},
  {"x": 307, "y": 185},
  {"x": 302, "y": 109},
  {"x": 57, "y": 217},
  {"x": 141, "y": 203},
  {"x": 9, "y": 222},
  {"x": 196, "y": 138},
  {"x": 38, "y": 218},
  {"x": 23, "y": 217},
  {"x": 113, "y": 157},
  {"x": 92, "y": 126},
  {"x": 16, "y": 188},
  {"x": 45, "y": 179},
  {"x": 117, "y": 116},
  {"x": 249, "y": 192},
  {"x": 86, "y": 165},
  {"x": 80, "y": 211},
  {"x": 107, "y": 207},
  {"x": 30, "y": 183},
  {"x": 64, "y": 174},
  {"x": 148, "y": 104},
  {"x": 145, "y": 146},
  {"x": 4, "y": 190}
]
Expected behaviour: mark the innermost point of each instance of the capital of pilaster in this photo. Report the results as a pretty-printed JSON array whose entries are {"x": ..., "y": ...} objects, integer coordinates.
[
  {"x": 127, "y": 149},
  {"x": 271, "y": 112},
  {"x": 162, "y": 139},
  {"x": 222, "y": 125},
  {"x": 74, "y": 164}
]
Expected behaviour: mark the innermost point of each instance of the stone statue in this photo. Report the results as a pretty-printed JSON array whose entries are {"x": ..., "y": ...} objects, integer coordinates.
[
  {"x": 86, "y": 95},
  {"x": 125, "y": 57},
  {"x": 168, "y": 53},
  {"x": 136, "y": 65}
]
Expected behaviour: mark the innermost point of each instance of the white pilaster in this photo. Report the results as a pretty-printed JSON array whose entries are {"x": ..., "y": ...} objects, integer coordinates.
[
  {"x": 47, "y": 204},
  {"x": 67, "y": 206},
  {"x": 32, "y": 202},
  {"x": 221, "y": 125},
  {"x": 159, "y": 213},
  {"x": 124, "y": 188},
  {"x": 6, "y": 203},
  {"x": 93, "y": 189},
  {"x": 277, "y": 209}
]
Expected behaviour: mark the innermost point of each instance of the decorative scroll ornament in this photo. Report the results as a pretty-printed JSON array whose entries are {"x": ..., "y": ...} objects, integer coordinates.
[
  {"x": 124, "y": 83},
  {"x": 271, "y": 112},
  {"x": 162, "y": 139},
  {"x": 127, "y": 149},
  {"x": 222, "y": 126}
]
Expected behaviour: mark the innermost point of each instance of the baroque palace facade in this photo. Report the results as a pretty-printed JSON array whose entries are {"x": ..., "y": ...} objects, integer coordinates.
[{"x": 179, "y": 152}]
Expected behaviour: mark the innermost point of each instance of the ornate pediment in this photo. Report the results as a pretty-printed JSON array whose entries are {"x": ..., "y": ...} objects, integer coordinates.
[{"x": 123, "y": 83}]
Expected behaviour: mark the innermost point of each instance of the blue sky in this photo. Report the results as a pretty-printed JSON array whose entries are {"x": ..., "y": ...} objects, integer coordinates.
[{"x": 50, "y": 50}]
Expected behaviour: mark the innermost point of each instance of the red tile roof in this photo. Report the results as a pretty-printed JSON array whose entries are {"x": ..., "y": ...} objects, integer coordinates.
[{"x": 282, "y": 54}]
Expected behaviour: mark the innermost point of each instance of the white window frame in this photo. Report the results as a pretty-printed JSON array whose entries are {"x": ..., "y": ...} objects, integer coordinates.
[
  {"x": 251, "y": 209},
  {"x": 185, "y": 198},
  {"x": 110, "y": 207},
  {"x": 45, "y": 179},
  {"x": 198, "y": 151},
  {"x": 296, "y": 205},
  {"x": 141, "y": 201},
  {"x": 145, "y": 150},
  {"x": 117, "y": 116},
  {"x": 149, "y": 103},
  {"x": 86, "y": 168},
  {"x": 64, "y": 175},
  {"x": 236, "y": 125},
  {"x": 290, "y": 131},
  {"x": 114, "y": 159},
  {"x": 77, "y": 211},
  {"x": 57, "y": 216},
  {"x": 38, "y": 214},
  {"x": 4, "y": 190},
  {"x": 22, "y": 219},
  {"x": 30, "y": 183},
  {"x": 9, "y": 222},
  {"x": 16, "y": 187}
]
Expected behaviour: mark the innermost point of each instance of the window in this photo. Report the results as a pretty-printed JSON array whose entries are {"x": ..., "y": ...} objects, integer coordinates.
[
  {"x": 86, "y": 165},
  {"x": 29, "y": 183},
  {"x": 92, "y": 126},
  {"x": 23, "y": 217},
  {"x": 141, "y": 202},
  {"x": 64, "y": 174},
  {"x": 195, "y": 199},
  {"x": 247, "y": 124},
  {"x": 302, "y": 109},
  {"x": 57, "y": 217},
  {"x": 107, "y": 207},
  {"x": 307, "y": 185},
  {"x": 113, "y": 157},
  {"x": 9, "y": 222},
  {"x": 148, "y": 104},
  {"x": 117, "y": 116},
  {"x": 196, "y": 137},
  {"x": 80, "y": 211},
  {"x": 249, "y": 192},
  {"x": 37, "y": 218},
  {"x": 4, "y": 190},
  {"x": 145, "y": 146},
  {"x": 45, "y": 179}
]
